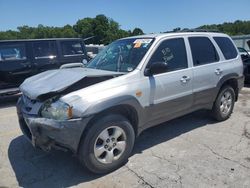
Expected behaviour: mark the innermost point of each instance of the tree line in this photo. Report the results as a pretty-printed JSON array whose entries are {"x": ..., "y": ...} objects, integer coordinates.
[
  {"x": 100, "y": 30},
  {"x": 103, "y": 30},
  {"x": 231, "y": 28}
]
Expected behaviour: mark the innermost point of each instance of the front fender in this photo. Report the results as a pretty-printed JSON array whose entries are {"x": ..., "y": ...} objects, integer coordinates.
[{"x": 112, "y": 102}]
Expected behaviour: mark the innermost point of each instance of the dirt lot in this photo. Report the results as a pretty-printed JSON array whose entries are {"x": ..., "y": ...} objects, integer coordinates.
[{"x": 192, "y": 151}]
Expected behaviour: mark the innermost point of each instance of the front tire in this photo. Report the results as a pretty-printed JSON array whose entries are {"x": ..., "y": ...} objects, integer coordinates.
[
  {"x": 224, "y": 104},
  {"x": 107, "y": 144}
]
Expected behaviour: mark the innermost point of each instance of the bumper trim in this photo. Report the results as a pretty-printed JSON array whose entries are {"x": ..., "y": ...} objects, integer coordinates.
[{"x": 48, "y": 133}]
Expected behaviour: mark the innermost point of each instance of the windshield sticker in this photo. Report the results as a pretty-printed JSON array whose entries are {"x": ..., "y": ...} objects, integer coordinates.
[
  {"x": 143, "y": 41},
  {"x": 167, "y": 55},
  {"x": 137, "y": 45},
  {"x": 129, "y": 69},
  {"x": 145, "y": 45}
]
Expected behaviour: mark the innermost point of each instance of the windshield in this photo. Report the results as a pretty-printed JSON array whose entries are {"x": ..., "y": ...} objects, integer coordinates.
[{"x": 122, "y": 55}]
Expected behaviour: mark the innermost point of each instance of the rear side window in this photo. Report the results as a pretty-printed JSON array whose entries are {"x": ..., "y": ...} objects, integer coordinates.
[
  {"x": 44, "y": 49},
  {"x": 226, "y": 47},
  {"x": 203, "y": 50},
  {"x": 172, "y": 52},
  {"x": 70, "y": 48},
  {"x": 12, "y": 52}
]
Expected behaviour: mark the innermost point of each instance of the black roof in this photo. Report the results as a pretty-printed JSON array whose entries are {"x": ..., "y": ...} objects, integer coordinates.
[{"x": 46, "y": 39}]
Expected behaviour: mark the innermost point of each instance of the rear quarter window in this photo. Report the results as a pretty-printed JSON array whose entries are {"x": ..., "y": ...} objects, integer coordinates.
[{"x": 227, "y": 47}]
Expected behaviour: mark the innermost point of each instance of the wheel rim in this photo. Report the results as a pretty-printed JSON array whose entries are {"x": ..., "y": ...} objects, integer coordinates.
[
  {"x": 110, "y": 145},
  {"x": 226, "y": 102}
]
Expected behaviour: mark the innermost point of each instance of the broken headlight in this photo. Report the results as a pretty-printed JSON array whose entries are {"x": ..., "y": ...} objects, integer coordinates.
[{"x": 57, "y": 110}]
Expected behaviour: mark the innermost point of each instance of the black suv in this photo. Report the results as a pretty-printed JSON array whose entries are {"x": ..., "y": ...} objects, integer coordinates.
[
  {"x": 20, "y": 59},
  {"x": 245, "y": 56}
]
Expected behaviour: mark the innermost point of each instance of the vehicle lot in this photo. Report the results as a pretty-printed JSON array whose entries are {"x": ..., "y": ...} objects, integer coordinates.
[{"x": 192, "y": 151}]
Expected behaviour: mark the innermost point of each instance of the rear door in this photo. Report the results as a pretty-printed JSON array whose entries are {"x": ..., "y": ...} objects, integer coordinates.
[
  {"x": 72, "y": 51},
  {"x": 15, "y": 64},
  {"x": 45, "y": 55},
  {"x": 207, "y": 69}
]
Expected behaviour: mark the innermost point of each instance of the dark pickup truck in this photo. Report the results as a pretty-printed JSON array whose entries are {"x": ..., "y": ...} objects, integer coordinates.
[{"x": 20, "y": 59}]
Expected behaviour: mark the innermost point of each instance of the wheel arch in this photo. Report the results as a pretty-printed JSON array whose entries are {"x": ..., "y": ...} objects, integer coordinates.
[
  {"x": 127, "y": 106},
  {"x": 231, "y": 80}
]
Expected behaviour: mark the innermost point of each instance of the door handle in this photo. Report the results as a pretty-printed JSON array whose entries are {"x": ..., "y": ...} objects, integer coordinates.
[
  {"x": 218, "y": 71},
  {"x": 185, "y": 79},
  {"x": 28, "y": 64}
]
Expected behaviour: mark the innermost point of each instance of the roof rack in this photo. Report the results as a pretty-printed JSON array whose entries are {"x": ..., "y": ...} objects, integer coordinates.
[
  {"x": 201, "y": 30},
  {"x": 195, "y": 30}
]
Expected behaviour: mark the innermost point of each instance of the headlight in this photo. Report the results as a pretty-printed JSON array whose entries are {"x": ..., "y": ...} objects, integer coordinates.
[{"x": 57, "y": 110}]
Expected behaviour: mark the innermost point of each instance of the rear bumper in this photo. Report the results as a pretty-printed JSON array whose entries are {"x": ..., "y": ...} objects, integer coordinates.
[{"x": 47, "y": 133}]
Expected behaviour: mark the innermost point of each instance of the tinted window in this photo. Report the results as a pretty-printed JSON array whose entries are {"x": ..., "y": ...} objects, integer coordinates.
[
  {"x": 71, "y": 48},
  {"x": 44, "y": 49},
  {"x": 172, "y": 52},
  {"x": 226, "y": 47},
  {"x": 203, "y": 51},
  {"x": 12, "y": 52}
]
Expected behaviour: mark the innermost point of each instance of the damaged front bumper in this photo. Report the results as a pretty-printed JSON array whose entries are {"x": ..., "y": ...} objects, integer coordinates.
[{"x": 48, "y": 133}]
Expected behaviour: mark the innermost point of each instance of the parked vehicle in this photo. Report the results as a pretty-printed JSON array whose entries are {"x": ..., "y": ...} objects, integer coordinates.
[
  {"x": 20, "y": 59},
  {"x": 133, "y": 84},
  {"x": 246, "y": 62},
  {"x": 243, "y": 52},
  {"x": 93, "y": 50}
]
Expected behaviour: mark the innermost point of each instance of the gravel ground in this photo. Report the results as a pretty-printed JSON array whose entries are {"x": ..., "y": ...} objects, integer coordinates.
[{"x": 192, "y": 151}]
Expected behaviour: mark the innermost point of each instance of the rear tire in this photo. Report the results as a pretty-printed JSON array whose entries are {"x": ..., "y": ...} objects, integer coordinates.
[
  {"x": 107, "y": 144},
  {"x": 224, "y": 103}
]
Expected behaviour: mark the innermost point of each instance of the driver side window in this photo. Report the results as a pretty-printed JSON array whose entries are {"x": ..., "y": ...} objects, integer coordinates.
[{"x": 172, "y": 52}]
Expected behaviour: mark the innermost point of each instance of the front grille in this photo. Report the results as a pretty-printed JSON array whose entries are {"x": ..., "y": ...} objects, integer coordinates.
[
  {"x": 29, "y": 106},
  {"x": 28, "y": 103}
]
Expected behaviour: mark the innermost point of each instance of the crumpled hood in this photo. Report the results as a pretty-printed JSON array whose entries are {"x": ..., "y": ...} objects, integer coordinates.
[{"x": 58, "y": 80}]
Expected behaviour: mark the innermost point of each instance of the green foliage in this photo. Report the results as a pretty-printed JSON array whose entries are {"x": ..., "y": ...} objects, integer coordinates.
[
  {"x": 236, "y": 28},
  {"x": 103, "y": 30},
  {"x": 137, "y": 31}
]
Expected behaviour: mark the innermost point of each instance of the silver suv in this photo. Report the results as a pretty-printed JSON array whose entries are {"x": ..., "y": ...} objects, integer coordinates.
[{"x": 133, "y": 84}]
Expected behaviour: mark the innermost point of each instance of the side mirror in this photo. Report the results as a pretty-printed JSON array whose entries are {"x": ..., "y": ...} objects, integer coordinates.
[
  {"x": 156, "y": 68},
  {"x": 84, "y": 62},
  {"x": 71, "y": 65}
]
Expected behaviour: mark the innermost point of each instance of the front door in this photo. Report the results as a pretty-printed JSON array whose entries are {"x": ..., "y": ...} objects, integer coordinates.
[
  {"x": 171, "y": 91},
  {"x": 207, "y": 69}
]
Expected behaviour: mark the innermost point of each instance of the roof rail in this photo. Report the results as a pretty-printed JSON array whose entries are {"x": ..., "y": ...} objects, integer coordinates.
[
  {"x": 201, "y": 30},
  {"x": 195, "y": 30}
]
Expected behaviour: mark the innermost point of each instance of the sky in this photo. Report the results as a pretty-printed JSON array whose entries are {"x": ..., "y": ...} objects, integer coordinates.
[{"x": 152, "y": 16}]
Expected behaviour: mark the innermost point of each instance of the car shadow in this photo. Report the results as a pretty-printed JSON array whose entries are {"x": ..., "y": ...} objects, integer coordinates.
[{"x": 35, "y": 168}]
